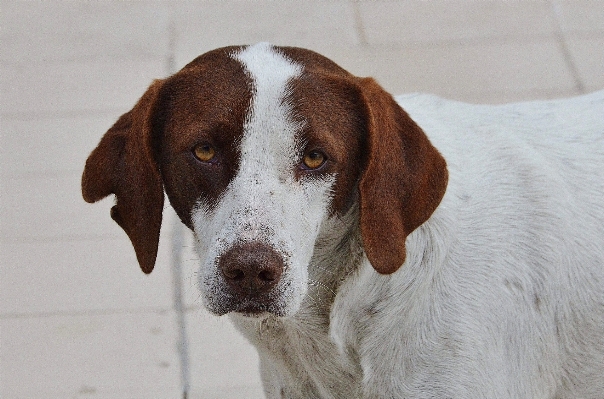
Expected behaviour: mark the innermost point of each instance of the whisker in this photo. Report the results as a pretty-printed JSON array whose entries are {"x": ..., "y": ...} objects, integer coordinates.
[
  {"x": 324, "y": 269},
  {"x": 319, "y": 284},
  {"x": 316, "y": 303}
]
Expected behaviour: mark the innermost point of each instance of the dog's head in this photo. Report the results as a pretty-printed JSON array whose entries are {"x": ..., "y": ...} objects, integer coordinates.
[{"x": 257, "y": 147}]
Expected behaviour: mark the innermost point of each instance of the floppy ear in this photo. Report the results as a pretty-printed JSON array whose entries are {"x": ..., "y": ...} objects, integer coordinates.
[
  {"x": 404, "y": 179},
  {"x": 123, "y": 164}
]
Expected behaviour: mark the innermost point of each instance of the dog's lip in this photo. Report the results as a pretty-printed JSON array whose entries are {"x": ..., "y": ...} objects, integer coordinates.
[
  {"x": 256, "y": 309},
  {"x": 255, "y": 314}
]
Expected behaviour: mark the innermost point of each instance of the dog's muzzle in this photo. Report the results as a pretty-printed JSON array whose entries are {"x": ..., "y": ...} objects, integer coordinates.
[{"x": 251, "y": 270}]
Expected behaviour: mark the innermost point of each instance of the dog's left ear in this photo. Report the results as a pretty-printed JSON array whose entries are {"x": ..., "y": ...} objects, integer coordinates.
[
  {"x": 404, "y": 179},
  {"x": 123, "y": 164}
]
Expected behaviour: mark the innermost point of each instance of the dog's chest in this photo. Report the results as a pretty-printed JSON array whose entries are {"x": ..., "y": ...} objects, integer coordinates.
[{"x": 298, "y": 359}]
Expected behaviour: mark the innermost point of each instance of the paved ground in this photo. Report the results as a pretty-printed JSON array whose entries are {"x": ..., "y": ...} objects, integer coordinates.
[{"x": 78, "y": 319}]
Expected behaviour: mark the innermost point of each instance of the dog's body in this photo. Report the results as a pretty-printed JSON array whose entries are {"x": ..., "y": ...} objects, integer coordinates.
[
  {"x": 303, "y": 184},
  {"x": 502, "y": 292}
]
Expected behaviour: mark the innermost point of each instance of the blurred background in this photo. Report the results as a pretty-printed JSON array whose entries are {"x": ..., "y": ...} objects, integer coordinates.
[{"x": 78, "y": 319}]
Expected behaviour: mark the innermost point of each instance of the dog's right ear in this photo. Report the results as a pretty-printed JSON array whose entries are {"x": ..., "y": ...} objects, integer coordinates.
[{"x": 123, "y": 164}]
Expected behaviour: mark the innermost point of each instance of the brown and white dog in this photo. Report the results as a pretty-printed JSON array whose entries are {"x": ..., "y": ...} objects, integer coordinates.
[{"x": 344, "y": 247}]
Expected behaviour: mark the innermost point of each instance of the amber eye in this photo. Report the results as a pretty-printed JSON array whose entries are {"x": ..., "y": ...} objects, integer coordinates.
[
  {"x": 204, "y": 152},
  {"x": 314, "y": 159}
]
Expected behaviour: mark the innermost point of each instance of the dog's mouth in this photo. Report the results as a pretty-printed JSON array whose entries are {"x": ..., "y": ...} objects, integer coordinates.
[
  {"x": 258, "y": 310},
  {"x": 252, "y": 306}
]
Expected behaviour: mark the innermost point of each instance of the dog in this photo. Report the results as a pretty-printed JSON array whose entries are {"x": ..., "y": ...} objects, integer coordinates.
[{"x": 373, "y": 247}]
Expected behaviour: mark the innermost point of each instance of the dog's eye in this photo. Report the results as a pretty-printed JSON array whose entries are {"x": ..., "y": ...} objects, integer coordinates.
[
  {"x": 314, "y": 159},
  {"x": 204, "y": 152}
]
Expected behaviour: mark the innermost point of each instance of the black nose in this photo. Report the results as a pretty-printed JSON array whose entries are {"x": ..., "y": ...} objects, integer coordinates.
[{"x": 251, "y": 268}]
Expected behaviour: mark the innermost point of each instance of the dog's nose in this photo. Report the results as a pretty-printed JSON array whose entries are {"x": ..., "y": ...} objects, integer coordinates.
[{"x": 251, "y": 268}]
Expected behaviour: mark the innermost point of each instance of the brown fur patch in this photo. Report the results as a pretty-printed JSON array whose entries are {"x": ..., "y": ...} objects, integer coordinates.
[
  {"x": 331, "y": 113},
  {"x": 123, "y": 165},
  {"x": 205, "y": 103}
]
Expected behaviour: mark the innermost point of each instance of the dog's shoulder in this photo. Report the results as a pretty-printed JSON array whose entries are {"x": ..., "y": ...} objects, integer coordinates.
[
  {"x": 520, "y": 225},
  {"x": 532, "y": 119}
]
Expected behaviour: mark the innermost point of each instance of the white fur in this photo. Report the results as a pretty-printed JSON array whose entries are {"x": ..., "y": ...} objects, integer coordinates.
[{"x": 502, "y": 291}]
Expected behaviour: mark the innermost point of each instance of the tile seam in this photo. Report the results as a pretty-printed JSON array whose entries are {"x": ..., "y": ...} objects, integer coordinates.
[
  {"x": 563, "y": 46},
  {"x": 177, "y": 246},
  {"x": 84, "y": 312},
  {"x": 358, "y": 24},
  {"x": 179, "y": 308}
]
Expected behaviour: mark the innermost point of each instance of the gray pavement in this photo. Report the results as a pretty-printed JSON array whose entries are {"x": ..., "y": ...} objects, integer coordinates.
[{"x": 78, "y": 319}]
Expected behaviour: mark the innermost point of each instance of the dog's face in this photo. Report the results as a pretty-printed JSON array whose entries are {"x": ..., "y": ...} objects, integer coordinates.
[
  {"x": 257, "y": 147},
  {"x": 261, "y": 163}
]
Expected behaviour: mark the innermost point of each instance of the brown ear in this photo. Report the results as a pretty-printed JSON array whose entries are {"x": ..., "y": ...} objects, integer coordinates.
[
  {"x": 123, "y": 164},
  {"x": 403, "y": 182}
]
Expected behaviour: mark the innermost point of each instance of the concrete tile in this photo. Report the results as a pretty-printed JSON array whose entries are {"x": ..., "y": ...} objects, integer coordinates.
[
  {"x": 127, "y": 355},
  {"x": 51, "y": 206},
  {"x": 588, "y": 56},
  {"x": 48, "y": 277},
  {"x": 39, "y": 146},
  {"x": 203, "y": 26},
  {"x": 580, "y": 15},
  {"x": 386, "y": 22},
  {"x": 69, "y": 31},
  {"x": 70, "y": 88},
  {"x": 221, "y": 360},
  {"x": 473, "y": 72}
]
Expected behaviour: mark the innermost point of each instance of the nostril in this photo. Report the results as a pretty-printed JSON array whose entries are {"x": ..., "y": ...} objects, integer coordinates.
[
  {"x": 266, "y": 276},
  {"x": 234, "y": 274}
]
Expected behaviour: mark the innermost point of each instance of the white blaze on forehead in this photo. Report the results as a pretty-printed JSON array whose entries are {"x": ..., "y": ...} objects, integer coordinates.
[
  {"x": 269, "y": 133},
  {"x": 264, "y": 202}
]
